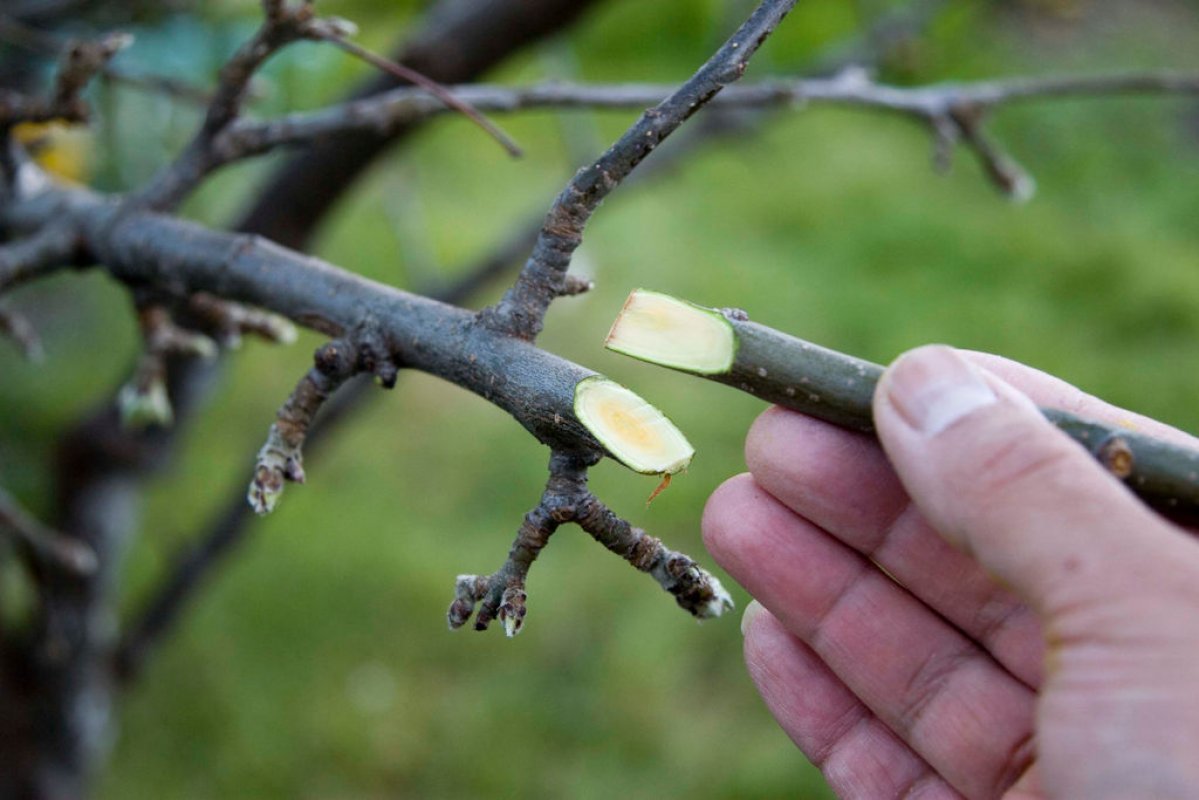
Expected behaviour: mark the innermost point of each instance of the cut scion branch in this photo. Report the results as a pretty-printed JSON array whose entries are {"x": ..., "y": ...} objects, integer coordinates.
[
  {"x": 566, "y": 498},
  {"x": 42, "y": 547},
  {"x": 838, "y": 388}
]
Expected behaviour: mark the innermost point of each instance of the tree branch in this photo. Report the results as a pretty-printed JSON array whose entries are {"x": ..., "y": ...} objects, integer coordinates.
[
  {"x": 80, "y": 62},
  {"x": 194, "y": 563},
  {"x": 457, "y": 41},
  {"x": 42, "y": 547},
  {"x": 567, "y": 499},
  {"x": 521, "y": 312},
  {"x": 954, "y": 111},
  {"x": 43, "y": 251},
  {"x": 724, "y": 346}
]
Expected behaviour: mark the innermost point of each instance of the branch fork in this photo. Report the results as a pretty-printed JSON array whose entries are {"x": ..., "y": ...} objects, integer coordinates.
[{"x": 566, "y": 498}]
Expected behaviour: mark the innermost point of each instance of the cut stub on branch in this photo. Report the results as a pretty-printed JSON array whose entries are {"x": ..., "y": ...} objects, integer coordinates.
[
  {"x": 633, "y": 431},
  {"x": 839, "y": 389}
]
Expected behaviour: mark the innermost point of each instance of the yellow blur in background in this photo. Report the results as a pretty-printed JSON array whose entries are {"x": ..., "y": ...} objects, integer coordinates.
[{"x": 63, "y": 151}]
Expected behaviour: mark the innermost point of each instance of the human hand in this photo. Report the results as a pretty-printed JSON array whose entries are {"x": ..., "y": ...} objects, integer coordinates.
[{"x": 982, "y": 611}]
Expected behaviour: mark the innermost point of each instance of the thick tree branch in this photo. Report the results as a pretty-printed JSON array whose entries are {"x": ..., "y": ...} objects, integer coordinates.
[{"x": 229, "y": 527}]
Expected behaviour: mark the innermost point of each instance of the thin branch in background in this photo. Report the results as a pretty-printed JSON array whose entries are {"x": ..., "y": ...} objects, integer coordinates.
[
  {"x": 20, "y": 330},
  {"x": 337, "y": 36},
  {"x": 43, "y": 548},
  {"x": 37, "y": 41},
  {"x": 283, "y": 24},
  {"x": 79, "y": 64},
  {"x": 522, "y": 310},
  {"x": 143, "y": 401},
  {"x": 455, "y": 42}
]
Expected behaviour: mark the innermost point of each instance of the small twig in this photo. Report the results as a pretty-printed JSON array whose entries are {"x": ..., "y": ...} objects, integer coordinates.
[
  {"x": 502, "y": 595},
  {"x": 80, "y": 63},
  {"x": 43, "y": 547},
  {"x": 16, "y": 327},
  {"x": 337, "y": 37},
  {"x": 521, "y": 312},
  {"x": 50, "y": 249},
  {"x": 281, "y": 458},
  {"x": 228, "y": 322},
  {"x": 144, "y": 401}
]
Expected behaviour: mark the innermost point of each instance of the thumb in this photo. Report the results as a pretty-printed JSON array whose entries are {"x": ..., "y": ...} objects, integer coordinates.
[{"x": 993, "y": 476}]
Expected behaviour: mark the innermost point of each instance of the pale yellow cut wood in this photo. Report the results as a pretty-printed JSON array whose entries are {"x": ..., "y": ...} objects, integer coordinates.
[
  {"x": 634, "y": 432},
  {"x": 664, "y": 330}
]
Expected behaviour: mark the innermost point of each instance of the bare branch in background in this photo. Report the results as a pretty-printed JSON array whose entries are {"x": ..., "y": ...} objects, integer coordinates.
[
  {"x": 338, "y": 37},
  {"x": 456, "y": 42},
  {"x": 46, "y": 44},
  {"x": 43, "y": 548},
  {"x": 80, "y": 63},
  {"x": 16, "y": 327},
  {"x": 954, "y": 111}
]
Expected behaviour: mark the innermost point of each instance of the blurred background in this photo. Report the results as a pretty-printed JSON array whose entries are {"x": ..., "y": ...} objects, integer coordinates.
[{"x": 317, "y": 661}]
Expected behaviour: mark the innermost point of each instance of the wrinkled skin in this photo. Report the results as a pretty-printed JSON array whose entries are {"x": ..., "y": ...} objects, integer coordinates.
[{"x": 972, "y": 609}]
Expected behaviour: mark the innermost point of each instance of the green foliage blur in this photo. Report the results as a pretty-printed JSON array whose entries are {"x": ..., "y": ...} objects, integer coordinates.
[{"x": 317, "y": 663}]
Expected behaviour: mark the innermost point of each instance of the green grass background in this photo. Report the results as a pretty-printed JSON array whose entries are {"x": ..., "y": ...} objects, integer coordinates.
[{"x": 317, "y": 663}]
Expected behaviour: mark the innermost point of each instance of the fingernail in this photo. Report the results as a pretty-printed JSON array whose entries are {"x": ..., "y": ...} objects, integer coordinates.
[
  {"x": 934, "y": 387},
  {"x": 747, "y": 617}
]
